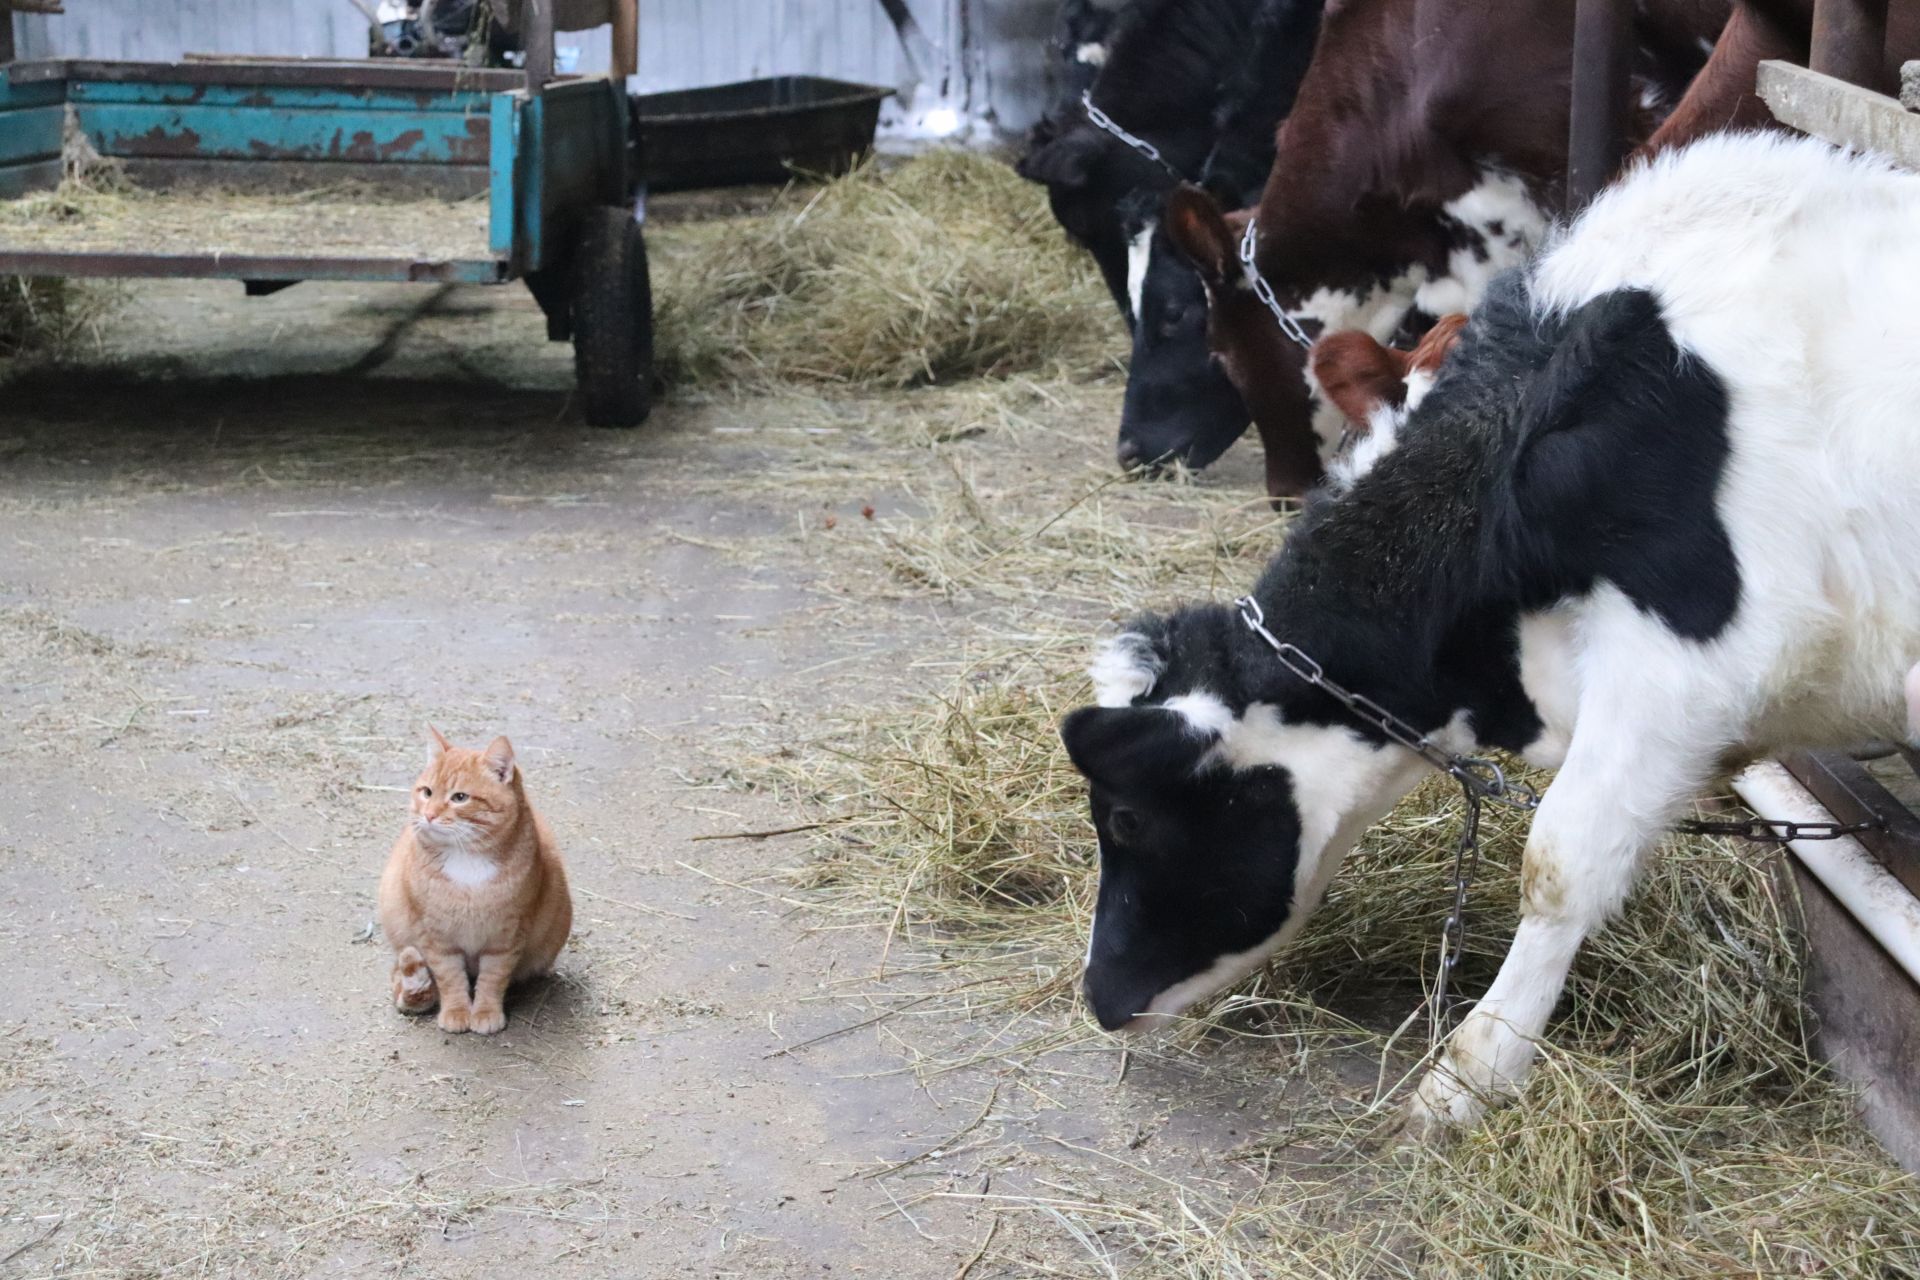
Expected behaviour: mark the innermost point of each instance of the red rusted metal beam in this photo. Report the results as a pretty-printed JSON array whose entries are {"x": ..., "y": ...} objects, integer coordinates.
[
  {"x": 1850, "y": 42},
  {"x": 1602, "y": 107},
  {"x": 395, "y": 75}
]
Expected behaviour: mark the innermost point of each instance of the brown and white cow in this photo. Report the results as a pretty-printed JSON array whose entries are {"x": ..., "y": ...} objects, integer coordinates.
[{"x": 1424, "y": 154}]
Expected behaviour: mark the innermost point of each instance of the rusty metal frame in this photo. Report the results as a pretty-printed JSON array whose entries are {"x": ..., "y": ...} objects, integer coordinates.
[
  {"x": 297, "y": 73},
  {"x": 129, "y": 265},
  {"x": 1850, "y": 41}
]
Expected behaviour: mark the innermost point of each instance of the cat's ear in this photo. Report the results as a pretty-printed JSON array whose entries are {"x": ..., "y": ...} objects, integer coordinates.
[
  {"x": 498, "y": 758},
  {"x": 440, "y": 744}
]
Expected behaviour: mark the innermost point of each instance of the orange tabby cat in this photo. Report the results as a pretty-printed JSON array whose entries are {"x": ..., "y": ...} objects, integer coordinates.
[{"x": 473, "y": 891}]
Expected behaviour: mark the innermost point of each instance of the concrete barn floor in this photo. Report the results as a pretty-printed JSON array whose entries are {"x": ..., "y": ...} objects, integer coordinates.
[{"x": 227, "y": 607}]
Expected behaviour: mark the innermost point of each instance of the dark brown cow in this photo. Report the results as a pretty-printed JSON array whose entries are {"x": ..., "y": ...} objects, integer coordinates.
[
  {"x": 1722, "y": 96},
  {"x": 1425, "y": 153}
]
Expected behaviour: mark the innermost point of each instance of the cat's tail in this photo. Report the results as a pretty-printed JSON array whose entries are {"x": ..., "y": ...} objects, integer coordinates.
[{"x": 413, "y": 989}]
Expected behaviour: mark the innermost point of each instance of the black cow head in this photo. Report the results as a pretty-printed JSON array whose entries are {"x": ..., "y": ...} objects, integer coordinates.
[
  {"x": 1196, "y": 861},
  {"x": 1093, "y": 182},
  {"x": 1220, "y": 819},
  {"x": 1180, "y": 404}
]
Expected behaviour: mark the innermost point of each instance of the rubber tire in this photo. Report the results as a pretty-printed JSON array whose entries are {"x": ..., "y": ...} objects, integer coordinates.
[{"x": 612, "y": 320}]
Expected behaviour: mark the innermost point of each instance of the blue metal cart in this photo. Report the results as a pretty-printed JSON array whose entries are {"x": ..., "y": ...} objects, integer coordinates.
[{"x": 551, "y": 158}]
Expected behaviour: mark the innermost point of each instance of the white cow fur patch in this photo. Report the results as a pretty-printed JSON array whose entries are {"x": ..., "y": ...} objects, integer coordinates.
[
  {"x": 1139, "y": 257},
  {"x": 1125, "y": 668},
  {"x": 1091, "y": 54},
  {"x": 1336, "y": 772},
  {"x": 1502, "y": 217}
]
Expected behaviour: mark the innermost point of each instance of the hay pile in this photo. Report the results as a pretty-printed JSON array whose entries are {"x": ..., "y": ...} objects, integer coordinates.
[
  {"x": 947, "y": 266},
  {"x": 1676, "y": 1126}
]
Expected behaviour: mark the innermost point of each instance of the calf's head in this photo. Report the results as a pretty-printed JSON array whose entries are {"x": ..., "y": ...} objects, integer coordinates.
[
  {"x": 1220, "y": 819},
  {"x": 1180, "y": 405},
  {"x": 1092, "y": 180},
  {"x": 1245, "y": 342}
]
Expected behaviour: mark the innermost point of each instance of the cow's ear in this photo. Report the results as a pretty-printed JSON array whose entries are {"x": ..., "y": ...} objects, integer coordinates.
[
  {"x": 1358, "y": 375},
  {"x": 1613, "y": 358},
  {"x": 1133, "y": 749},
  {"x": 1066, "y": 159},
  {"x": 1199, "y": 230},
  {"x": 1432, "y": 350}
]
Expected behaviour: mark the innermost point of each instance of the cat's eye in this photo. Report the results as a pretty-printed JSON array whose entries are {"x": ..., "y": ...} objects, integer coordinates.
[
  {"x": 459, "y": 797},
  {"x": 426, "y": 793}
]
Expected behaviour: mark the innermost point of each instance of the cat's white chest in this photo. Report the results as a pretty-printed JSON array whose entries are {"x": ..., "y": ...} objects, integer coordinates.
[{"x": 468, "y": 870}]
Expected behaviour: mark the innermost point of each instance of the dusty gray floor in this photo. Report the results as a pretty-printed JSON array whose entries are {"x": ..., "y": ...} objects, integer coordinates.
[{"x": 226, "y": 610}]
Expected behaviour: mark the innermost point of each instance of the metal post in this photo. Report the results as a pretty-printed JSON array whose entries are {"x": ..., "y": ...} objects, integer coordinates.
[
  {"x": 1850, "y": 41},
  {"x": 1601, "y": 114},
  {"x": 539, "y": 45},
  {"x": 6, "y": 32},
  {"x": 626, "y": 39}
]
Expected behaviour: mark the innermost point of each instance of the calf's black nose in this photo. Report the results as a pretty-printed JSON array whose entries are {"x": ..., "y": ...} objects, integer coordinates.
[{"x": 1115, "y": 1002}]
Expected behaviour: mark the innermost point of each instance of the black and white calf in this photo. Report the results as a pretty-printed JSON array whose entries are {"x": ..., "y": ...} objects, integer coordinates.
[{"x": 1656, "y": 516}]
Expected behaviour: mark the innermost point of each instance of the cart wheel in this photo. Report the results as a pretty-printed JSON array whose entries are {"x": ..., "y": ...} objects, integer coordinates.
[{"x": 612, "y": 320}]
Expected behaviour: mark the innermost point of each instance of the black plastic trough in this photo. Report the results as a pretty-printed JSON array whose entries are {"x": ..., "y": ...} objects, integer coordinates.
[{"x": 756, "y": 130}]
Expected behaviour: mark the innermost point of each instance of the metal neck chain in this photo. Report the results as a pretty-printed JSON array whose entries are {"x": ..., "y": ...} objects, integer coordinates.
[
  {"x": 1104, "y": 122},
  {"x": 1482, "y": 781},
  {"x": 1249, "y": 243},
  {"x": 1777, "y": 831}
]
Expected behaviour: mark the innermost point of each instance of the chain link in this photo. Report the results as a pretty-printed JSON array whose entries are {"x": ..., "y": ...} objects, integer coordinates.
[
  {"x": 1775, "y": 831},
  {"x": 1478, "y": 777},
  {"x": 1482, "y": 781},
  {"x": 1101, "y": 120},
  {"x": 1249, "y": 243}
]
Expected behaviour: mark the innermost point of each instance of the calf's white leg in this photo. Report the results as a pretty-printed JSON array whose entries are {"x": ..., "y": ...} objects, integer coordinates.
[{"x": 1643, "y": 744}]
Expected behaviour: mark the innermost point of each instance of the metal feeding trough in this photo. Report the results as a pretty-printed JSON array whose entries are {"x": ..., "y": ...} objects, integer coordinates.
[{"x": 755, "y": 130}]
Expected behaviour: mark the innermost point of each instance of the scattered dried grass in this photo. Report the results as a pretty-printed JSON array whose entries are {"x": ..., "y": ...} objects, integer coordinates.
[
  {"x": 1678, "y": 1124},
  {"x": 50, "y": 318},
  {"x": 98, "y": 215},
  {"x": 946, "y": 266}
]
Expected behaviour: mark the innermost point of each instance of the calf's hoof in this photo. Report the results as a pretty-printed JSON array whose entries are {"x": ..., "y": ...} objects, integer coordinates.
[{"x": 1440, "y": 1109}]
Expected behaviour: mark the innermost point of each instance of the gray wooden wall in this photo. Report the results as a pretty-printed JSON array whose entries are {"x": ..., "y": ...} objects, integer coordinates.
[{"x": 994, "y": 50}]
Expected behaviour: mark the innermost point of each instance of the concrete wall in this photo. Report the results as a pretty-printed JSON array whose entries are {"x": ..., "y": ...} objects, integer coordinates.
[{"x": 992, "y": 52}]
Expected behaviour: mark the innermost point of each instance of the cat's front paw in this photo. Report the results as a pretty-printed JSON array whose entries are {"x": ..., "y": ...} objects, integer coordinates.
[
  {"x": 485, "y": 1022},
  {"x": 413, "y": 989},
  {"x": 454, "y": 1020}
]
